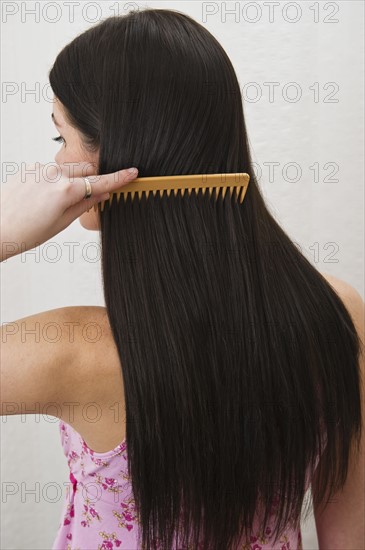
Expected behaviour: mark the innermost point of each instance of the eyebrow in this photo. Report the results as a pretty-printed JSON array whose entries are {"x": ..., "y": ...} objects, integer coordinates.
[{"x": 55, "y": 121}]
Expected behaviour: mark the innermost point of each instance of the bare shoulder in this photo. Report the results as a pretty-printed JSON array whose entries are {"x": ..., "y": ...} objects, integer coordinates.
[
  {"x": 352, "y": 300},
  {"x": 95, "y": 363},
  {"x": 339, "y": 284},
  {"x": 339, "y": 525},
  {"x": 94, "y": 381},
  {"x": 64, "y": 362},
  {"x": 45, "y": 355},
  {"x": 54, "y": 355},
  {"x": 89, "y": 379}
]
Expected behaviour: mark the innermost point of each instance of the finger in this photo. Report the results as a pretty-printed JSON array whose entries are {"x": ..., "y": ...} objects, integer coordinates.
[{"x": 100, "y": 185}]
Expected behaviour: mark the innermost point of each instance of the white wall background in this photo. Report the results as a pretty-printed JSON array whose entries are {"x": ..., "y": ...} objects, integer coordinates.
[{"x": 315, "y": 45}]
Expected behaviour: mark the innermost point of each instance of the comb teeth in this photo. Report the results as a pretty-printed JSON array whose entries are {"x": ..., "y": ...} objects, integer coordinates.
[{"x": 191, "y": 183}]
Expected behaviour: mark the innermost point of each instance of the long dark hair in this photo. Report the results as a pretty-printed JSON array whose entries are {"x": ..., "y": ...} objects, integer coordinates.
[{"x": 239, "y": 358}]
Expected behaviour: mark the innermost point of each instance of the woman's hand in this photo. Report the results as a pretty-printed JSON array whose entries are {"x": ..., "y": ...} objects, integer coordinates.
[{"x": 41, "y": 200}]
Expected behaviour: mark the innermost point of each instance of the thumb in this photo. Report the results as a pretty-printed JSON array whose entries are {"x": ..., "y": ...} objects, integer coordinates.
[{"x": 84, "y": 206}]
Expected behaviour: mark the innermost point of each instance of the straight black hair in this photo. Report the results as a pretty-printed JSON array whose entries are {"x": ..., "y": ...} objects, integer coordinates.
[{"x": 240, "y": 361}]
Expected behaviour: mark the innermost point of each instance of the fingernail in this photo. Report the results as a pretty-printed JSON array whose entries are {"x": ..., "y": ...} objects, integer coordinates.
[{"x": 132, "y": 170}]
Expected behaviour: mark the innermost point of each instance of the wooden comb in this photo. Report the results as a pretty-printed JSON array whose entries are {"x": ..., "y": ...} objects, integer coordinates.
[{"x": 191, "y": 183}]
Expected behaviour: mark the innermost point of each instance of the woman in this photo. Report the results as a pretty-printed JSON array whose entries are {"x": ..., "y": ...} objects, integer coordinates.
[{"x": 228, "y": 369}]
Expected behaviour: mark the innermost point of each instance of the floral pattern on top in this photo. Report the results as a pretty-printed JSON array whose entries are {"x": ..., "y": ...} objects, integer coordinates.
[{"x": 99, "y": 510}]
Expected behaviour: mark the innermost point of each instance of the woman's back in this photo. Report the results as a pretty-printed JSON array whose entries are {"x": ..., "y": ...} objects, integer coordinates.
[
  {"x": 99, "y": 509},
  {"x": 98, "y": 380}
]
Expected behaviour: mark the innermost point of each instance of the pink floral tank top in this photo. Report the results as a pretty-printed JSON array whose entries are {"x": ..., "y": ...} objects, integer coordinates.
[{"x": 99, "y": 512}]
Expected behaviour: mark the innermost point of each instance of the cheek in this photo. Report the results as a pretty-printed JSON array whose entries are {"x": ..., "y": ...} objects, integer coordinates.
[
  {"x": 63, "y": 156},
  {"x": 90, "y": 220},
  {"x": 73, "y": 152},
  {"x": 58, "y": 158}
]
